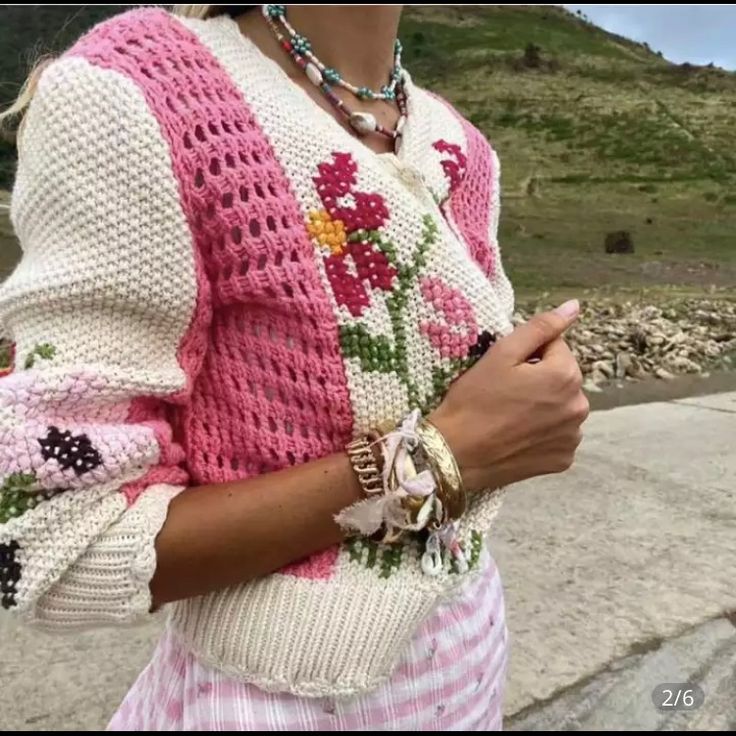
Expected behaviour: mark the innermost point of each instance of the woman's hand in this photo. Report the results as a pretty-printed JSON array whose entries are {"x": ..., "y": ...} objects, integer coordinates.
[{"x": 507, "y": 419}]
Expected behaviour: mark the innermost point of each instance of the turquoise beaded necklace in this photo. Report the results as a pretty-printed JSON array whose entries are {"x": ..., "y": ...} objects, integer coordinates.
[{"x": 300, "y": 50}]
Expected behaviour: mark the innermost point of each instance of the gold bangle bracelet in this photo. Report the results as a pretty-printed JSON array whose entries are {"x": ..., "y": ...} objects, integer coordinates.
[{"x": 439, "y": 455}]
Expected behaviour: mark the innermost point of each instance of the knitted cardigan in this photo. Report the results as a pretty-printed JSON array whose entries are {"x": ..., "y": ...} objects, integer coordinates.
[{"x": 219, "y": 281}]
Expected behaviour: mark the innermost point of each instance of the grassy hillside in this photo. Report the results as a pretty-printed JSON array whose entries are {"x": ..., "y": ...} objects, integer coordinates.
[{"x": 596, "y": 133}]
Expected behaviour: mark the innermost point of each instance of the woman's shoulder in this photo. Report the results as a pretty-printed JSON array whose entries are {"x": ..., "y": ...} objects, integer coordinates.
[
  {"x": 148, "y": 28},
  {"x": 127, "y": 43},
  {"x": 147, "y": 53}
]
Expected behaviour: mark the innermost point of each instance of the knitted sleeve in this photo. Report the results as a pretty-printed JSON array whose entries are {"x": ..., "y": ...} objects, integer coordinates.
[{"x": 101, "y": 309}]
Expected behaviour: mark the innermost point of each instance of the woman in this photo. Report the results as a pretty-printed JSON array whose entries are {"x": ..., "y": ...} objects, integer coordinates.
[{"x": 253, "y": 379}]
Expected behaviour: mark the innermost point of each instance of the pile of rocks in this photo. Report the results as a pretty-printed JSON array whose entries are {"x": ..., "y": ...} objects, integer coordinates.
[{"x": 632, "y": 341}]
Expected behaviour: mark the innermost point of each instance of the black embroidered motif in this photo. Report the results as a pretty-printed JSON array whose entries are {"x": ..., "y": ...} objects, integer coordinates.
[
  {"x": 70, "y": 451},
  {"x": 482, "y": 344},
  {"x": 9, "y": 573}
]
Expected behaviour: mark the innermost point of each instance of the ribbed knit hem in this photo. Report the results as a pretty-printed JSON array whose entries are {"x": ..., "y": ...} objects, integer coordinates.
[
  {"x": 109, "y": 584},
  {"x": 308, "y": 638}
]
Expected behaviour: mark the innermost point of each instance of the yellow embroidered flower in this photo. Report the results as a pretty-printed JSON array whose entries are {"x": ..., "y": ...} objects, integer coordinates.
[{"x": 326, "y": 232}]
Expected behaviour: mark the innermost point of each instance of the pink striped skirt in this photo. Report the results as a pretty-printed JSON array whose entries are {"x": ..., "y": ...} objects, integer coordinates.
[{"x": 450, "y": 679}]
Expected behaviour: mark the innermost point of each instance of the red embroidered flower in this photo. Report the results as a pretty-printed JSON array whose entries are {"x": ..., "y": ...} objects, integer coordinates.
[
  {"x": 352, "y": 265},
  {"x": 454, "y": 166}
]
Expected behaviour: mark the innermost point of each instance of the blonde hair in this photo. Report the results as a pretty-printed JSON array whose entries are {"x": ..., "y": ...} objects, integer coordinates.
[
  {"x": 197, "y": 11},
  {"x": 24, "y": 96},
  {"x": 28, "y": 89}
]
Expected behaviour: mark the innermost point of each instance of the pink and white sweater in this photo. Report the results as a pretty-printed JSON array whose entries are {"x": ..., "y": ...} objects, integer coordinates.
[{"x": 219, "y": 281}]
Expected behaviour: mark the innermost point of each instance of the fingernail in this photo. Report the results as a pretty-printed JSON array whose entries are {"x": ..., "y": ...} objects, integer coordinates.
[{"x": 569, "y": 309}]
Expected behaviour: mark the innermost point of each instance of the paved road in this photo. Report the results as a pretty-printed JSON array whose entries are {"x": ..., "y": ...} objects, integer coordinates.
[{"x": 619, "y": 576}]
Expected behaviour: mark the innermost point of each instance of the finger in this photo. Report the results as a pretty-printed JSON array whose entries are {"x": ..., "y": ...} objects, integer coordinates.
[
  {"x": 556, "y": 350},
  {"x": 526, "y": 340}
]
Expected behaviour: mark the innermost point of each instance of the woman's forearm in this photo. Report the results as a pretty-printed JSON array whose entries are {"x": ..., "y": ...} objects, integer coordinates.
[{"x": 221, "y": 535}]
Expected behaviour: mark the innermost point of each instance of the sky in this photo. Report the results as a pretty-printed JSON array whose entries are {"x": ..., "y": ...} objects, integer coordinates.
[{"x": 699, "y": 34}]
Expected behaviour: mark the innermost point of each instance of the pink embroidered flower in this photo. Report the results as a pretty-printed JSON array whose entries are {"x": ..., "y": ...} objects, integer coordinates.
[
  {"x": 352, "y": 266},
  {"x": 454, "y": 165},
  {"x": 457, "y": 332}
]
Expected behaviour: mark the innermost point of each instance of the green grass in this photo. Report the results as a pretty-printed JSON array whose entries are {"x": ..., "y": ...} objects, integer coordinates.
[{"x": 553, "y": 242}]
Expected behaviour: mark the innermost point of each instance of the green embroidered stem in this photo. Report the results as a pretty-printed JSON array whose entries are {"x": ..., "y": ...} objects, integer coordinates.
[
  {"x": 377, "y": 353},
  {"x": 372, "y": 552},
  {"x": 406, "y": 276},
  {"x": 395, "y": 305},
  {"x": 442, "y": 376}
]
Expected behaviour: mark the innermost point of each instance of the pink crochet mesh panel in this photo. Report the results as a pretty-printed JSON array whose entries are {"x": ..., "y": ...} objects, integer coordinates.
[
  {"x": 472, "y": 179},
  {"x": 268, "y": 385}
]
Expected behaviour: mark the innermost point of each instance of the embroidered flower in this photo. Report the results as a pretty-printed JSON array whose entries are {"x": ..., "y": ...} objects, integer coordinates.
[
  {"x": 454, "y": 164},
  {"x": 457, "y": 332},
  {"x": 70, "y": 451},
  {"x": 10, "y": 573},
  {"x": 348, "y": 227}
]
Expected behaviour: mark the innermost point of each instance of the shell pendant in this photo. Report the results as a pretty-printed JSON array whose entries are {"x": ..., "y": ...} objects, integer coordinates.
[{"x": 363, "y": 123}]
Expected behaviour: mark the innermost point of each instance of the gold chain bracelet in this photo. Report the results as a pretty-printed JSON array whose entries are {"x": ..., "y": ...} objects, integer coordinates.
[{"x": 364, "y": 464}]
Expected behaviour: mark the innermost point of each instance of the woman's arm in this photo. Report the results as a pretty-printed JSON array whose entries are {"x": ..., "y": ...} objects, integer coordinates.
[
  {"x": 217, "y": 536},
  {"x": 505, "y": 421}
]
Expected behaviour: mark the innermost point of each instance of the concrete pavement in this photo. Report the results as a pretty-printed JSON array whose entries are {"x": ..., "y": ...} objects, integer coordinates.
[
  {"x": 619, "y": 576},
  {"x": 634, "y": 547}
]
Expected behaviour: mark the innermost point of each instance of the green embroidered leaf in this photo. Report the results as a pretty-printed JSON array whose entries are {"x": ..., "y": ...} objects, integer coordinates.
[
  {"x": 374, "y": 352},
  {"x": 442, "y": 377},
  {"x": 43, "y": 350},
  {"x": 18, "y": 482},
  {"x": 476, "y": 543},
  {"x": 391, "y": 560},
  {"x": 6, "y": 355},
  {"x": 16, "y": 496}
]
